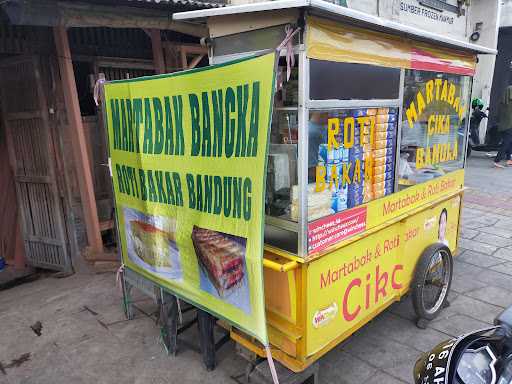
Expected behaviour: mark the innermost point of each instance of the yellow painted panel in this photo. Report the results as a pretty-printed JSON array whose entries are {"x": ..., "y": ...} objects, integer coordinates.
[{"x": 347, "y": 287}]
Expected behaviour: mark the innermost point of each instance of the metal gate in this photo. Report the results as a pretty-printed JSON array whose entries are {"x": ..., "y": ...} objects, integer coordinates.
[{"x": 32, "y": 157}]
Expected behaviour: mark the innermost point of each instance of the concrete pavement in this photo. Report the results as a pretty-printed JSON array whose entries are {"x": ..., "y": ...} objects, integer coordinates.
[{"x": 86, "y": 339}]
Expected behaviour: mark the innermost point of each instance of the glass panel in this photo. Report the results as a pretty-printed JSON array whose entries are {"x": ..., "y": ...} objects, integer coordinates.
[
  {"x": 282, "y": 161},
  {"x": 351, "y": 158},
  {"x": 282, "y": 238},
  {"x": 345, "y": 81},
  {"x": 433, "y": 125}
]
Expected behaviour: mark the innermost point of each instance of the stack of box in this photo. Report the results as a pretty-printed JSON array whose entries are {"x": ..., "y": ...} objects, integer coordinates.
[
  {"x": 384, "y": 152},
  {"x": 381, "y": 151},
  {"x": 368, "y": 148},
  {"x": 333, "y": 160},
  {"x": 358, "y": 190},
  {"x": 340, "y": 196}
]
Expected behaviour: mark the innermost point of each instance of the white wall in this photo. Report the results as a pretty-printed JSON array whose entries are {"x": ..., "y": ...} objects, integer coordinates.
[
  {"x": 487, "y": 13},
  {"x": 506, "y": 13}
]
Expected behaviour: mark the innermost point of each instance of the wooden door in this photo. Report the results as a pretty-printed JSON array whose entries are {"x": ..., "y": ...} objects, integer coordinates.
[{"x": 32, "y": 157}]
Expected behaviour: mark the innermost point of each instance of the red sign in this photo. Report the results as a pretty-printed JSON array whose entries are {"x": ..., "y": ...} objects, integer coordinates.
[
  {"x": 330, "y": 230},
  {"x": 430, "y": 61}
]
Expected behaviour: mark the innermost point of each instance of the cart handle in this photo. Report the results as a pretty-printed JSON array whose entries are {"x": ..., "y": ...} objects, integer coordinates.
[{"x": 280, "y": 267}]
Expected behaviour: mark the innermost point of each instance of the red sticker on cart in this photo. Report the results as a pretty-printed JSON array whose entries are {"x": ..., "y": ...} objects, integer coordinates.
[{"x": 330, "y": 230}]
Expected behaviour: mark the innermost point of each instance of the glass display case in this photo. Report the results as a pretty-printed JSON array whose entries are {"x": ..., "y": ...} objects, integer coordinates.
[
  {"x": 355, "y": 139},
  {"x": 348, "y": 132},
  {"x": 351, "y": 158}
]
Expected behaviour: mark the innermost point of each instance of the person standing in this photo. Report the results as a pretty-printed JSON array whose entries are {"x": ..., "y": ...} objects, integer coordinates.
[
  {"x": 505, "y": 128},
  {"x": 476, "y": 117}
]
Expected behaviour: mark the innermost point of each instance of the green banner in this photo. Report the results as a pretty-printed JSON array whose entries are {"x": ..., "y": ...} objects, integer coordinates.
[{"x": 188, "y": 155}]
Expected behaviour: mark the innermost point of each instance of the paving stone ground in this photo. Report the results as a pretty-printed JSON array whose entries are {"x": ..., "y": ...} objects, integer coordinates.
[{"x": 85, "y": 338}]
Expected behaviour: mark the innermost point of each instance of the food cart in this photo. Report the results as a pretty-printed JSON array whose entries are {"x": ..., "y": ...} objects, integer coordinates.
[{"x": 365, "y": 166}]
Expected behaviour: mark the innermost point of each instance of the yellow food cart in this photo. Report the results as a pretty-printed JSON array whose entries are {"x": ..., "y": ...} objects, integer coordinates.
[{"x": 365, "y": 166}]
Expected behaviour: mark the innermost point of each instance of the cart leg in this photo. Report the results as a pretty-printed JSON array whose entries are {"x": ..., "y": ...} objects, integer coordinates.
[
  {"x": 169, "y": 322},
  {"x": 206, "y": 323}
]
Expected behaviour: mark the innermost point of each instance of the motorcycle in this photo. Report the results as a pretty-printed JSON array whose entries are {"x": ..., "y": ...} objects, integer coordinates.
[{"x": 479, "y": 357}]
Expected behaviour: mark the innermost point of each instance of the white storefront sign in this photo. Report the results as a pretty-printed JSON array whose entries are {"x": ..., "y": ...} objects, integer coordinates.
[{"x": 433, "y": 15}]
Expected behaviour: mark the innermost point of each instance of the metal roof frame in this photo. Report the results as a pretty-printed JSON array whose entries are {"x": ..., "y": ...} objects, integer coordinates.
[{"x": 338, "y": 12}]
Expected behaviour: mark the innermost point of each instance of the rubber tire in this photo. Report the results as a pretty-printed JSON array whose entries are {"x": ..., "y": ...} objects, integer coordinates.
[
  {"x": 419, "y": 281},
  {"x": 468, "y": 151}
]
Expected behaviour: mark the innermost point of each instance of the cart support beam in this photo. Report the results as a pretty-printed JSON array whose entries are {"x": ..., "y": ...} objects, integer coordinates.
[{"x": 280, "y": 267}]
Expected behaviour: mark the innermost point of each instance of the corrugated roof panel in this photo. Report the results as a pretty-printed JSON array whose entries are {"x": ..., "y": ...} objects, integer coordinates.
[{"x": 193, "y": 3}]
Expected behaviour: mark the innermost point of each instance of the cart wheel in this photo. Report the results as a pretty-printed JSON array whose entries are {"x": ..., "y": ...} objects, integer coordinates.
[
  {"x": 432, "y": 280},
  {"x": 469, "y": 150}
]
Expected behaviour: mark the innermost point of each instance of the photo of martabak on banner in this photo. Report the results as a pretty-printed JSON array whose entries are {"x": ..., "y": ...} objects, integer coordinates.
[{"x": 188, "y": 158}]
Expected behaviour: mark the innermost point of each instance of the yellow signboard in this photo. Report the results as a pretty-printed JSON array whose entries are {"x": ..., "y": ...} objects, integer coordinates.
[
  {"x": 399, "y": 203},
  {"x": 351, "y": 222},
  {"x": 188, "y": 154},
  {"x": 347, "y": 287}
]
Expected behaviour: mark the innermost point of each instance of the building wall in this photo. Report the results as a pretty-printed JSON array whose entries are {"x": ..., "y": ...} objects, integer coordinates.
[
  {"x": 506, "y": 13},
  {"x": 445, "y": 22},
  {"x": 487, "y": 13},
  {"x": 413, "y": 13}
]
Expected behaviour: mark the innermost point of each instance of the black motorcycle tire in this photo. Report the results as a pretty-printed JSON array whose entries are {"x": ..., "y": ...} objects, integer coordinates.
[{"x": 419, "y": 280}]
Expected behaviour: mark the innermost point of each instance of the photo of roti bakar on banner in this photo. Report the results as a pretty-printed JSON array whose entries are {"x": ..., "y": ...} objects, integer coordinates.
[
  {"x": 221, "y": 258},
  {"x": 152, "y": 243}
]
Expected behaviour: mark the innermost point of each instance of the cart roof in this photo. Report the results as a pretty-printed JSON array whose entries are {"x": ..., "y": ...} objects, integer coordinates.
[{"x": 337, "y": 12}]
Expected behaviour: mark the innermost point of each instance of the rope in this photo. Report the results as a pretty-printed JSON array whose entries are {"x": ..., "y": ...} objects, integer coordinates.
[
  {"x": 119, "y": 274},
  {"x": 271, "y": 365},
  {"x": 98, "y": 86},
  {"x": 288, "y": 43}
]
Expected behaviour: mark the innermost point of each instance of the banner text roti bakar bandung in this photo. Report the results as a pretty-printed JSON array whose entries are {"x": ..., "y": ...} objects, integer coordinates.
[{"x": 188, "y": 154}]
